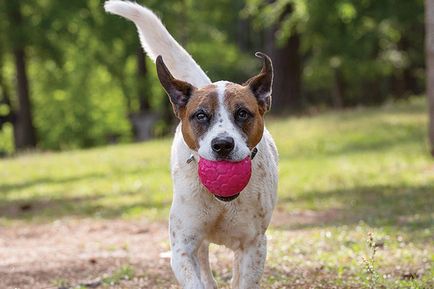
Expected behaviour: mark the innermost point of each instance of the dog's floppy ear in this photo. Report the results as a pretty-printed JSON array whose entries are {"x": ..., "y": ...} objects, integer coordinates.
[
  {"x": 261, "y": 84},
  {"x": 178, "y": 91}
]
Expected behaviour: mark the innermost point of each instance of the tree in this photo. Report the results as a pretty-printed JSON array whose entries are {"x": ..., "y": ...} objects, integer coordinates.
[
  {"x": 285, "y": 54},
  {"x": 283, "y": 44},
  {"x": 429, "y": 40},
  {"x": 143, "y": 120},
  {"x": 24, "y": 130},
  {"x": 351, "y": 52}
]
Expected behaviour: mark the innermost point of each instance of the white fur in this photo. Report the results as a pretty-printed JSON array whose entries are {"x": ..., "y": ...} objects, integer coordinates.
[
  {"x": 156, "y": 40},
  {"x": 223, "y": 125},
  {"x": 197, "y": 218}
]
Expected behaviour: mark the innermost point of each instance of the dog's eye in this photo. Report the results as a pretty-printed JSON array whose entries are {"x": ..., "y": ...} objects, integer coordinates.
[
  {"x": 242, "y": 114},
  {"x": 201, "y": 116}
]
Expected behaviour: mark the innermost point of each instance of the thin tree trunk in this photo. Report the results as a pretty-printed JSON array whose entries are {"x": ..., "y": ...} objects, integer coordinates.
[
  {"x": 24, "y": 131},
  {"x": 429, "y": 42},
  {"x": 338, "y": 89},
  {"x": 142, "y": 121},
  {"x": 243, "y": 33},
  {"x": 287, "y": 75},
  {"x": 142, "y": 74},
  {"x": 25, "y": 136}
]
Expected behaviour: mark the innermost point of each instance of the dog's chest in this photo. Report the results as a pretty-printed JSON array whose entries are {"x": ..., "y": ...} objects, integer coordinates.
[{"x": 237, "y": 223}]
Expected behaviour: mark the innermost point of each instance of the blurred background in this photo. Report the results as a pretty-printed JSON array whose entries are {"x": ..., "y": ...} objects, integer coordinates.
[
  {"x": 72, "y": 76},
  {"x": 84, "y": 200}
]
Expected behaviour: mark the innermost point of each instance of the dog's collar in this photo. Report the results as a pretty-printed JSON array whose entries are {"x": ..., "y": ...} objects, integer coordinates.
[
  {"x": 252, "y": 155},
  {"x": 254, "y": 152},
  {"x": 190, "y": 159}
]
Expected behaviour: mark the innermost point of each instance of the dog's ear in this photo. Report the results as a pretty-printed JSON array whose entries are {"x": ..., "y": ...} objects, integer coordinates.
[
  {"x": 261, "y": 84},
  {"x": 179, "y": 91}
]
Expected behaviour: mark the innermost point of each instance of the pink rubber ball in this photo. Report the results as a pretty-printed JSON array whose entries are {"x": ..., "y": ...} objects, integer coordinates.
[{"x": 224, "y": 178}]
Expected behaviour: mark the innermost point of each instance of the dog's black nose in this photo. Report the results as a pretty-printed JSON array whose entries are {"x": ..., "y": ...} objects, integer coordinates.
[{"x": 223, "y": 145}]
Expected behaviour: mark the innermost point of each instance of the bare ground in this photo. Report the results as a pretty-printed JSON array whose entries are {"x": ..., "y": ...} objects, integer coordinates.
[
  {"x": 73, "y": 252},
  {"x": 70, "y": 253}
]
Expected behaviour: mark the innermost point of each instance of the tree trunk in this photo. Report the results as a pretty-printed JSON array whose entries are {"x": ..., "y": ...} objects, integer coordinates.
[
  {"x": 25, "y": 136},
  {"x": 429, "y": 42},
  {"x": 142, "y": 74},
  {"x": 143, "y": 121},
  {"x": 287, "y": 68},
  {"x": 338, "y": 89},
  {"x": 243, "y": 33},
  {"x": 24, "y": 131}
]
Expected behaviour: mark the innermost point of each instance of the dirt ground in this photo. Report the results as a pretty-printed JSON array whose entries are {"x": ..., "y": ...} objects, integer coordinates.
[
  {"x": 69, "y": 253},
  {"x": 97, "y": 253}
]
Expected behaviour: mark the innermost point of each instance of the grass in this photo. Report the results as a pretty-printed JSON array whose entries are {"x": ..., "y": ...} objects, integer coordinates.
[
  {"x": 344, "y": 176},
  {"x": 123, "y": 273}
]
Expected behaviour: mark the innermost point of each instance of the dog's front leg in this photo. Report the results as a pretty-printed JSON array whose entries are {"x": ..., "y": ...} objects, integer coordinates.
[
  {"x": 205, "y": 269},
  {"x": 251, "y": 264},
  {"x": 185, "y": 265}
]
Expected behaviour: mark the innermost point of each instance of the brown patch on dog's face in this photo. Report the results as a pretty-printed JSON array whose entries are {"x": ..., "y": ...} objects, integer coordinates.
[
  {"x": 247, "y": 114},
  {"x": 197, "y": 115},
  {"x": 223, "y": 109}
]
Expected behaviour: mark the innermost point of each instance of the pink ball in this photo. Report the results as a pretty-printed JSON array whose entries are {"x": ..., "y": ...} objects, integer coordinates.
[{"x": 224, "y": 178}]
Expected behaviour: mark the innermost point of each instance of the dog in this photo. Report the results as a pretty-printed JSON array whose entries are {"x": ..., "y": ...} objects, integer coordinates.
[{"x": 227, "y": 114}]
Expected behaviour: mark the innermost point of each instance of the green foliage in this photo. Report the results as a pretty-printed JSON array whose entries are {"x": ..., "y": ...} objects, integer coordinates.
[
  {"x": 82, "y": 68},
  {"x": 6, "y": 140},
  {"x": 77, "y": 109},
  {"x": 372, "y": 44},
  {"x": 83, "y": 64}
]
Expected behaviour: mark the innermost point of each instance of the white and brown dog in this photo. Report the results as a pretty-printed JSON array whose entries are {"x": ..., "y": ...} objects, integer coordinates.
[{"x": 220, "y": 120}]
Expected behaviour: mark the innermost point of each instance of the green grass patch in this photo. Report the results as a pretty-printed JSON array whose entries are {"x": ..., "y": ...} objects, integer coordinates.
[{"x": 124, "y": 273}]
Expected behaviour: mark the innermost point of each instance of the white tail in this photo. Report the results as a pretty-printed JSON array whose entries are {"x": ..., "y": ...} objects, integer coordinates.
[{"x": 156, "y": 40}]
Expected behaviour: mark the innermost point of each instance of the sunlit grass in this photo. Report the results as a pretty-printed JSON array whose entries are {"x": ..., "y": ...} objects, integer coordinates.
[{"x": 116, "y": 181}]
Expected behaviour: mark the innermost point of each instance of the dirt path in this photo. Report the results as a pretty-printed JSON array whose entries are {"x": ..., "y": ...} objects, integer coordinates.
[
  {"x": 68, "y": 253},
  {"x": 98, "y": 253}
]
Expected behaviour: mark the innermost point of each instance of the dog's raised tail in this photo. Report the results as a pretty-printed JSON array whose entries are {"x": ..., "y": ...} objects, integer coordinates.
[{"x": 156, "y": 40}]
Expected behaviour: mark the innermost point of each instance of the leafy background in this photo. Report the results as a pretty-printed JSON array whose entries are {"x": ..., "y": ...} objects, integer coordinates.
[{"x": 84, "y": 84}]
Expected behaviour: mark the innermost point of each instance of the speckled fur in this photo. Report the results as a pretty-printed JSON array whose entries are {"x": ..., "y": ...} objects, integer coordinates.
[{"x": 197, "y": 218}]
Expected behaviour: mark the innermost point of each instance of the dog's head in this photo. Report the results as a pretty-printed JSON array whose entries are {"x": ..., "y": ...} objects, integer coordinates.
[{"x": 223, "y": 120}]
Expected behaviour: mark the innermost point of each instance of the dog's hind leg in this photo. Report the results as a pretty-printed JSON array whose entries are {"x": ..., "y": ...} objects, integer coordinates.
[{"x": 205, "y": 268}]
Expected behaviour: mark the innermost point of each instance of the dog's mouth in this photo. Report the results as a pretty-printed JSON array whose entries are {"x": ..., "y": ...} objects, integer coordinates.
[{"x": 227, "y": 199}]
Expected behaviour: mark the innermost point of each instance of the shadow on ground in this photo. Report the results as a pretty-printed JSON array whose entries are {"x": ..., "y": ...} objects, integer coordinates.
[
  {"x": 89, "y": 206},
  {"x": 409, "y": 208},
  {"x": 8, "y": 188}
]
